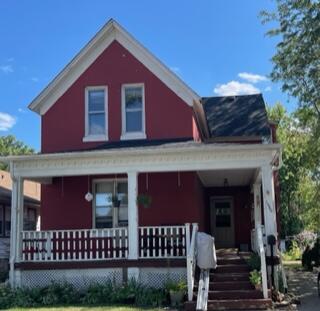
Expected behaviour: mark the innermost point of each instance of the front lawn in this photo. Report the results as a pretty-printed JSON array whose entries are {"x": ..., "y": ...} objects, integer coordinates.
[{"x": 83, "y": 309}]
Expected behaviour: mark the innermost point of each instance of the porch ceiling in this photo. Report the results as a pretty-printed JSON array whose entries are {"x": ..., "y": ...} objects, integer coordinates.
[{"x": 236, "y": 177}]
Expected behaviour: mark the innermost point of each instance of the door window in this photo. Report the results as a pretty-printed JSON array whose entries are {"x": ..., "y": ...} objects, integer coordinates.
[{"x": 223, "y": 214}]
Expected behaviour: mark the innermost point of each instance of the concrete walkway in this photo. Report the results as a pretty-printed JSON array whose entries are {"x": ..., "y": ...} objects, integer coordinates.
[{"x": 304, "y": 285}]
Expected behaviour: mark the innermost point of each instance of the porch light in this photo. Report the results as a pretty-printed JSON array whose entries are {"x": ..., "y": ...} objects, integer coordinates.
[{"x": 89, "y": 196}]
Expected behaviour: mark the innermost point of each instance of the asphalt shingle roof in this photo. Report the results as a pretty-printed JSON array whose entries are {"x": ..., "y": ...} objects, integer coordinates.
[{"x": 236, "y": 116}]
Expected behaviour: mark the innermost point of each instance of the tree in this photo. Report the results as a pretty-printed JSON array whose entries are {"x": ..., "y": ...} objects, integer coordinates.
[
  {"x": 297, "y": 59},
  {"x": 299, "y": 205},
  {"x": 9, "y": 145}
]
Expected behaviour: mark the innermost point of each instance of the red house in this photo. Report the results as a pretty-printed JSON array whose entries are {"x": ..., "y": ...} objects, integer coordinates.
[{"x": 133, "y": 162}]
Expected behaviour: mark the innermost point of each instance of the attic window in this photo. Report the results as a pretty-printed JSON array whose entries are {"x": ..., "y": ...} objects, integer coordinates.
[
  {"x": 96, "y": 111},
  {"x": 133, "y": 111}
]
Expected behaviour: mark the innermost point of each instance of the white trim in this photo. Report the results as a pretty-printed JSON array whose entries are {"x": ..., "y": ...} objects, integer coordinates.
[
  {"x": 195, "y": 157},
  {"x": 132, "y": 135},
  {"x": 110, "y": 31},
  {"x": 87, "y": 137}
]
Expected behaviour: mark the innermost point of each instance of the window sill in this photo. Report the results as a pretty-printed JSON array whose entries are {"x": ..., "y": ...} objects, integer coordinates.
[
  {"x": 131, "y": 136},
  {"x": 95, "y": 138}
]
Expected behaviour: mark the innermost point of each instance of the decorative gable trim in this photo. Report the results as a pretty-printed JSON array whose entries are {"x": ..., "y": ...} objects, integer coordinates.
[{"x": 82, "y": 61}]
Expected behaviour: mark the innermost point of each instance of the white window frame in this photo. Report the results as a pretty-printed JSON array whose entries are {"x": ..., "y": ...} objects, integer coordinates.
[
  {"x": 132, "y": 135},
  {"x": 115, "y": 215},
  {"x": 102, "y": 137}
]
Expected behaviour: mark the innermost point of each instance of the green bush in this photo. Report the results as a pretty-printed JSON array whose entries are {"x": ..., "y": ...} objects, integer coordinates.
[
  {"x": 65, "y": 294},
  {"x": 254, "y": 262},
  {"x": 255, "y": 277},
  {"x": 294, "y": 252}
]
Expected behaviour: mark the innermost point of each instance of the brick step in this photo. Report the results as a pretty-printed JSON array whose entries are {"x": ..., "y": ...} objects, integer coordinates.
[
  {"x": 234, "y": 304},
  {"x": 235, "y": 294},
  {"x": 239, "y": 285},
  {"x": 231, "y": 261},
  {"x": 232, "y": 268},
  {"x": 229, "y": 277}
]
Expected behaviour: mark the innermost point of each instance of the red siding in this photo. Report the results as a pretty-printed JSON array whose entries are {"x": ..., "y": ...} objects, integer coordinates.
[
  {"x": 167, "y": 116},
  {"x": 63, "y": 205}
]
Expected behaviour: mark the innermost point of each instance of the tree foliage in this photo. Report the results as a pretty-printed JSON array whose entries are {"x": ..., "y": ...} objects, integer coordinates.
[
  {"x": 300, "y": 205},
  {"x": 297, "y": 58},
  {"x": 9, "y": 145}
]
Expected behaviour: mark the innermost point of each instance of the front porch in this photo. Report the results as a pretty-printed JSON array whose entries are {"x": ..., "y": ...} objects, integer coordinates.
[{"x": 150, "y": 245}]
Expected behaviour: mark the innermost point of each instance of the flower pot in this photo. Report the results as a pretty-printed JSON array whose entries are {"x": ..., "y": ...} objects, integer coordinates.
[
  {"x": 176, "y": 297},
  {"x": 257, "y": 286}
]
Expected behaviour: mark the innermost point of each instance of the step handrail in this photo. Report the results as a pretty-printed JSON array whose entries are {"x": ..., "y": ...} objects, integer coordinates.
[
  {"x": 203, "y": 290},
  {"x": 191, "y": 261},
  {"x": 261, "y": 250}
]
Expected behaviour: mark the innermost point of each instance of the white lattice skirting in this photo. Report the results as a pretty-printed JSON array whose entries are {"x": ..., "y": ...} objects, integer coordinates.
[
  {"x": 158, "y": 277},
  {"x": 79, "y": 278},
  {"x": 82, "y": 278}
]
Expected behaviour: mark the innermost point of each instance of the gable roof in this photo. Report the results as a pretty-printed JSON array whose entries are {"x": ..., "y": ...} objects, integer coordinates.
[
  {"x": 109, "y": 32},
  {"x": 236, "y": 116}
]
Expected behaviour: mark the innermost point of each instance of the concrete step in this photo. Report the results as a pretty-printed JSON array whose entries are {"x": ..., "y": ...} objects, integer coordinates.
[
  {"x": 235, "y": 294},
  {"x": 234, "y": 304}
]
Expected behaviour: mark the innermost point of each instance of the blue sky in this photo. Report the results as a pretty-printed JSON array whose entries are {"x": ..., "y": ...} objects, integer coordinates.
[{"x": 217, "y": 47}]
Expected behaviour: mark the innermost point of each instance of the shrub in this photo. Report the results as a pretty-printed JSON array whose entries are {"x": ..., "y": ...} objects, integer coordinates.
[
  {"x": 6, "y": 297},
  {"x": 254, "y": 262},
  {"x": 97, "y": 294},
  {"x": 294, "y": 252}
]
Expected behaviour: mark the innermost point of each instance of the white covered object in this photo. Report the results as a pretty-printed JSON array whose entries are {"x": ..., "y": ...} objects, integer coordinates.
[{"x": 206, "y": 251}]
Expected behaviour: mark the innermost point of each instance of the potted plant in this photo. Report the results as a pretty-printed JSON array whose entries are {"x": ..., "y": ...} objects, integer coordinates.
[
  {"x": 255, "y": 279},
  {"x": 177, "y": 291},
  {"x": 144, "y": 200}
]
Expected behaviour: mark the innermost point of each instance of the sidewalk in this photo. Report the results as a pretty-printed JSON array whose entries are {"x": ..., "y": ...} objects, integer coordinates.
[{"x": 304, "y": 285}]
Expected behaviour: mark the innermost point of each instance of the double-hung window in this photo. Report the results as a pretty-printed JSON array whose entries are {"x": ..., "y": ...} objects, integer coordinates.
[
  {"x": 96, "y": 114},
  {"x": 133, "y": 111},
  {"x": 110, "y": 203}
]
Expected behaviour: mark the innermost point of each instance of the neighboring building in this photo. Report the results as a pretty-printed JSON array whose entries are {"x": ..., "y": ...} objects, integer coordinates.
[
  {"x": 31, "y": 213},
  {"x": 119, "y": 128}
]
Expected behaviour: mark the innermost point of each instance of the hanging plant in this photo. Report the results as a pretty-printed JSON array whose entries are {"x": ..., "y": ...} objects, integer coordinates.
[
  {"x": 116, "y": 201},
  {"x": 144, "y": 199}
]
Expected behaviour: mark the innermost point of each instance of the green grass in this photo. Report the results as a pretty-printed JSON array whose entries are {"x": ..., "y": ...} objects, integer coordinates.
[
  {"x": 82, "y": 309},
  {"x": 292, "y": 264}
]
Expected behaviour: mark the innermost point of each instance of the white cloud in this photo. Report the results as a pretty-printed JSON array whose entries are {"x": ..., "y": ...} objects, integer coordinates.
[
  {"x": 175, "y": 69},
  {"x": 6, "y": 121},
  {"x": 10, "y": 59},
  {"x": 35, "y": 79},
  {"x": 21, "y": 110},
  {"x": 235, "y": 88},
  {"x": 268, "y": 89},
  {"x": 6, "y": 68},
  {"x": 251, "y": 77}
]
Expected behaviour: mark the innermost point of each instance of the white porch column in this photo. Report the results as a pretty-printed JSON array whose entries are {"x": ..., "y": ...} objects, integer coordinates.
[
  {"x": 16, "y": 227},
  {"x": 133, "y": 234},
  {"x": 257, "y": 204},
  {"x": 269, "y": 210}
]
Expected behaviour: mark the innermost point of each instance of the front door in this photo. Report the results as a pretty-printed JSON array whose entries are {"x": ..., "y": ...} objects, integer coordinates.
[{"x": 222, "y": 221}]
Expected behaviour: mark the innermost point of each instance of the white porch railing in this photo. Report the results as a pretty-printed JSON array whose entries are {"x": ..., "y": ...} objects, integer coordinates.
[
  {"x": 75, "y": 245},
  {"x": 191, "y": 261},
  {"x": 162, "y": 241},
  {"x": 104, "y": 244}
]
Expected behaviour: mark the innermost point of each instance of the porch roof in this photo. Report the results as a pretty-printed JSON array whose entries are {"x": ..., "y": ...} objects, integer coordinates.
[{"x": 177, "y": 156}]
